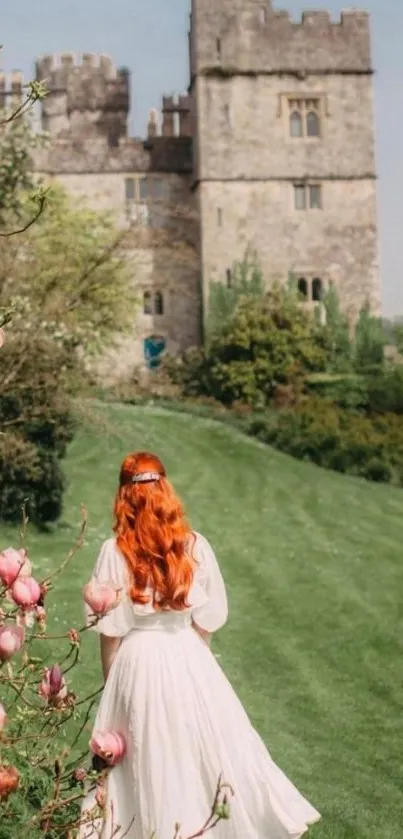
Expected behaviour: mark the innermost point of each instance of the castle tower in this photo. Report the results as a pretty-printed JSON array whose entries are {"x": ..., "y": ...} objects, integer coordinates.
[
  {"x": 284, "y": 147},
  {"x": 87, "y": 99}
]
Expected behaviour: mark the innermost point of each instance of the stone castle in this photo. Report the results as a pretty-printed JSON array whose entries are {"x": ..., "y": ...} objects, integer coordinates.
[{"x": 271, "y": 150}]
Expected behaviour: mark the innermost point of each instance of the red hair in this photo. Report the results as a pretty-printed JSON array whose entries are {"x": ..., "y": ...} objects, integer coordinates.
[{"x": 153, "y": 535}]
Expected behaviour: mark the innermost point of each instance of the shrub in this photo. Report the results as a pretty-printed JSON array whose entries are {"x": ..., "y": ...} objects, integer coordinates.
[
  {"x": 319, "y": 431},
  {"x": 37, "y": 423},
  {"x": 30, "y": 477},
  {"x": 346, "y": 390},
  {"x": 385, "y": 391},
  {"x": 266, "y": 342}
]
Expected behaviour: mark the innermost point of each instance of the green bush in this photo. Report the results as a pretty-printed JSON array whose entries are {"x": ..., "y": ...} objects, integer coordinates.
[
  {"x": 335, "y": 438},
  {"x": 266, "y": 342},
  {"x": 385, "y": 391},
  {"x": 30, "y": 477},
  {"x": 346, "y": 390},
  {"x": 37, "y": 424}
]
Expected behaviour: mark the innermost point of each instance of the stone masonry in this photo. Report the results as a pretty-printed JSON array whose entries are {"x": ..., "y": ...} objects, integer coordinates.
[{"x": 271, "y": 151}]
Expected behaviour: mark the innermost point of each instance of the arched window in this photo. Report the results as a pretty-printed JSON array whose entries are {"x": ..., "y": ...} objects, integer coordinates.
[
  {"x": 303, "y": 288},
  {"x": 158, "y": 303},
  {"x": 317, "y": 290},
  {"x": 296, "y": 124},
  {"x": 312, "y": 124},
  {"x": 147, "y": 303}
]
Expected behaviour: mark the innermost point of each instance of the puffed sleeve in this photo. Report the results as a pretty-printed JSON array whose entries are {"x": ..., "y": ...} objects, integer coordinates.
[
  {"x": 212, "y": 612},
  {"x": 110, "y": 568}
]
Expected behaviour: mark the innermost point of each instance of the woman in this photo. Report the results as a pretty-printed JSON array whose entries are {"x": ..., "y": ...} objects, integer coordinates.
[{"x": 165, "y": 693}]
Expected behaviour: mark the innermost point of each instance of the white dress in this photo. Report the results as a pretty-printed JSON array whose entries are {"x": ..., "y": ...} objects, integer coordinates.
[{"x": 183, "y": 723}]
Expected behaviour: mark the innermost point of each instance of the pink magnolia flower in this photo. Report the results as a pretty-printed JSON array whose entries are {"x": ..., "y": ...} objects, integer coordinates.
[
  {"x": 26, "y": 592},
  {"x": 11, "y": 640},
  {"x": 53, "y": 686},
  {"x": 109, "y": 745},
  {"x": 13, "y": 564},
  {"x": 101, "y": 597},
  {"x": 3, "y": 717}
]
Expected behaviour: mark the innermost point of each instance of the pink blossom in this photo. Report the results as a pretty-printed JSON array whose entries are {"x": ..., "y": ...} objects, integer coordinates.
[
  {"x": 109, "y": 745},
  {"x": 13, "y": 564},
  {"x": 3, "y": 717},
  {"x": 53, "y": 685},
  {"x": 11, "y": 640},
  {"x": 101, "y": 597},
  {"x": 26, "y": 592}
]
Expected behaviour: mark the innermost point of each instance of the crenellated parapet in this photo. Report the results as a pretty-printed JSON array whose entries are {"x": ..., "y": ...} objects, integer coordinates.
[
  {"x": 87, "y": 96},
  {"x": 252, "y": 37},
  {"x": 175, "y": 118},
  {"x": 11, "y": 89}
]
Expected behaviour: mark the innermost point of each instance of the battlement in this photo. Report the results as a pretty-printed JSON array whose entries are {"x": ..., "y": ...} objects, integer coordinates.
[
  {"x": 87, "y": 95},
  {"x": 11, "y": 88},
  {"x": 57, "y": 69},
  {"x": 255, "y": 38},
  {"x": 175, "y": 120}
]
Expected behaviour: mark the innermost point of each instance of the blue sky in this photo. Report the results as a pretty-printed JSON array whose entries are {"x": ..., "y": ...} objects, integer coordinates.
[{"x": 150, "y": 37}]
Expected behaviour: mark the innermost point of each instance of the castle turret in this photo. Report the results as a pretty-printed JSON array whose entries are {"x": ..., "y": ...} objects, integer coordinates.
[{"x": 86, "y": 99}]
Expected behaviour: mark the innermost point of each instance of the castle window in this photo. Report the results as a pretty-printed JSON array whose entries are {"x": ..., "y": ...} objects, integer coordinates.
[
  {"x": 147, "y": 303},
  {"x": 303, "y": 288},
  {"x": 305, "y": 118},
  {"x": 158, "y": 303},
  {"x": 317, "y": 289},
  {"x": 229, "y": 278},
  {"x": 310, "y": 288},
  {"x": 263, "y": 14},
  {"x": 300, "y": 196},
  {"x": 144, "y": 190},
  {"x": 218, "y": 48},
  {"x": 308, "y": 196},
  {"x": 130, "y": 189},
  {"x": 219, "y": 217},
  {"x": 312, "y": 124},
  {"x": 153, "y": 303},
  {"x": 227, "y": 114},
  {"x": 296, "y": 129},
  {"x": 315, "y": 196}
]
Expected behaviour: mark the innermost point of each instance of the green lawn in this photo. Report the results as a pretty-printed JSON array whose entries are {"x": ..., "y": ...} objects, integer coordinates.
[{"x": 314, "y": 568}]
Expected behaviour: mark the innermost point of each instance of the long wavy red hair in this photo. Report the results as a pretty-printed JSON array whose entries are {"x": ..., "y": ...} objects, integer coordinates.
[{"x": 153, "y": 535}]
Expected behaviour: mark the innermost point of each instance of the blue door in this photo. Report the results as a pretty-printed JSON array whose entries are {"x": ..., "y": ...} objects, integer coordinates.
[{"x": 154, "y": 347}]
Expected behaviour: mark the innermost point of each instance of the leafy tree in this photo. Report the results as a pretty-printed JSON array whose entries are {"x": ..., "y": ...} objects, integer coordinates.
[
  {"x": 246, "y": 280},
  {"x": 337, "y": 335},
  {"x": 65, "y": 292},
  {"x": 370, "y": 341},
  {"x": 267, "y": 342}
]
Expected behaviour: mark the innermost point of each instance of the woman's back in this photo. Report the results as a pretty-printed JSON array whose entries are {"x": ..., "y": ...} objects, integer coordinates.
[{"x": 206, "y": 601}]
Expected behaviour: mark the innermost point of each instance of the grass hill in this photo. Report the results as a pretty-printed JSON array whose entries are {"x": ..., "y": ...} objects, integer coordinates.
[{"x": 314, "y": 568}]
